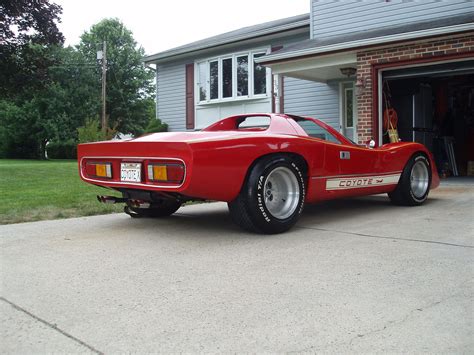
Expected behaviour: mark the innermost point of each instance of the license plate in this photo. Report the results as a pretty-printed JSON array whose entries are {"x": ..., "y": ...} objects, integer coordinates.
[{"x": 131, "y": 172}]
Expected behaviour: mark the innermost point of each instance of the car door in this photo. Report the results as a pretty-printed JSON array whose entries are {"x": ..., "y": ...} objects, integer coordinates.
[
  {"x": 345, "y": 169},
  {"x": 356, "y": 171}
]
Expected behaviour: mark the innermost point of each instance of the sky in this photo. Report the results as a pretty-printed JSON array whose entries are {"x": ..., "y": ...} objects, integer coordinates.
[{"x": 158, "y": 25}]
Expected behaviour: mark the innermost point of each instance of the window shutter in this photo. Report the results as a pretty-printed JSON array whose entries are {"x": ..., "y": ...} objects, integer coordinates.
[{"x": 190, "y": 96}]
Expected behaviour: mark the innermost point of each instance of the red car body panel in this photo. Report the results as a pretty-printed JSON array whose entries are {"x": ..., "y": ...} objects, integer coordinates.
[{"x": 218, "y": 158}]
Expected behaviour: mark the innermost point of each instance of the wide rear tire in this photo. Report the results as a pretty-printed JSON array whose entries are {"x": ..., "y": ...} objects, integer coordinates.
[
  {"x": 414, "y": 184},
  {"x": 272, "y": 197}
]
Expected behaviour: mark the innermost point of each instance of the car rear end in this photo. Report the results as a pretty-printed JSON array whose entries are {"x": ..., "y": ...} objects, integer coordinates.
[{"x": 142, "y": 171}]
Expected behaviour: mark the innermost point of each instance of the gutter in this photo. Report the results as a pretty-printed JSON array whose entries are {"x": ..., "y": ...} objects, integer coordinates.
[
  {"x": 268, "y": 59},
  {"x": 247, "y": 36}
]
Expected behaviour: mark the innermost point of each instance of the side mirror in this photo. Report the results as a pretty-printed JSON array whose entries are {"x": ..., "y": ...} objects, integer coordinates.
[{"x": 371, "y": 144}]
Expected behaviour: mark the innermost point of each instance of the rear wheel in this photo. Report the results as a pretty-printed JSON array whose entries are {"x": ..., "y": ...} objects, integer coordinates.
[
  {"x": 414, "y": 184},
  {"x": 162, "y": 208},
  {"x": 272, "y": 197}
]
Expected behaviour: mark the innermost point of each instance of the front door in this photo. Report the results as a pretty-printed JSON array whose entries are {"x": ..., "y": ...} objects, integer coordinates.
[{"x": 348, "y": 111}]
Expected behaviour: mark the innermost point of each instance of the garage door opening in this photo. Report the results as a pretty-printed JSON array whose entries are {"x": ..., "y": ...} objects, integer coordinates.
[{"x": 435, "y": 107}]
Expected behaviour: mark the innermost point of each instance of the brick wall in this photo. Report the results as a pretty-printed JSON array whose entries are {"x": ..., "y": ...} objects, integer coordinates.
[{"x": 400, "y": 53}]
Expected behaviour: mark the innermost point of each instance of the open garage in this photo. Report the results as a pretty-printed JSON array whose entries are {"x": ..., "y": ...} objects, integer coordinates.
[{"x": 435, "y": 106}]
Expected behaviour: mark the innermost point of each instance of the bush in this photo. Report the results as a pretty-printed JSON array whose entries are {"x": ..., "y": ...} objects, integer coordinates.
[
  {"x": 62, "y": 150},
  {"x": 90, "y": 132},
  {"x": 17, "y": 127},
  {"x": 155, "y": 125}
]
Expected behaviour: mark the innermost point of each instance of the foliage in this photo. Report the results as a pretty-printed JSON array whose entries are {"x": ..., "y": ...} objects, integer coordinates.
[
  {"x": 76, "y": 88},
  {"x": 62, "y": 150},
  {"x": 129, "y": 83},
  {"x": 17, "y": 133},
  {"x": 49, "y": 91},
  {"x": 38, "y": 190},
  {"x": 51, "y": 113},
  {"x": 90, "y": 132},
  {"x": 155, "y": 125},
  {"x": 27, "y": 31}
]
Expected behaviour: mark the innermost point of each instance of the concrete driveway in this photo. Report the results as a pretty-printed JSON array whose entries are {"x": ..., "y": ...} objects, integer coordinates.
[{"x": 353, "y": 276}]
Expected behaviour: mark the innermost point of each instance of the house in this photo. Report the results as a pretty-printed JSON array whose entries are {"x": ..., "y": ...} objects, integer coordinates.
[{"x": 345, "y": 63}]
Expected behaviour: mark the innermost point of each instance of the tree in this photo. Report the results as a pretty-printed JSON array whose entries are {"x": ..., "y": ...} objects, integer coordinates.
[
  {"x": 29, "y": 38},
  {"x": 129, "y": 83},
  {"x": 50, "y": 111},
  {"x": 27, "y": 29},
  {"x": 47, "y": 92}
]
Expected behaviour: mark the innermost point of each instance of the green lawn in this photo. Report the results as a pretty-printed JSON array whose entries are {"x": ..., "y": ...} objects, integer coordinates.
[{"x": 33, "y": 190}]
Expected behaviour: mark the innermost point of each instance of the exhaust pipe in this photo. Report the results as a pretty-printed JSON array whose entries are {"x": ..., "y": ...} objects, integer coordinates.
[
  {"x": 131, "y": 202},
  {"x": 139, "y": 203},
  {"x": 137, "y": 208},
  {"x": 110, "y": 199}
]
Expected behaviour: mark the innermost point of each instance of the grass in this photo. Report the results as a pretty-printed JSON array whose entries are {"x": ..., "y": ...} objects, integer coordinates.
[{"x": 32, "y": 190}]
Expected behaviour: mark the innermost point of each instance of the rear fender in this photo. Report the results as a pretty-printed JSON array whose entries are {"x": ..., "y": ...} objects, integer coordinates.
[{"x": 220, "y": 171}]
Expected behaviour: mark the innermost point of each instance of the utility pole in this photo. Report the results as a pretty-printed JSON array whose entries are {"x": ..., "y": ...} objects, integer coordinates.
[{"x": 104, "y": 77}]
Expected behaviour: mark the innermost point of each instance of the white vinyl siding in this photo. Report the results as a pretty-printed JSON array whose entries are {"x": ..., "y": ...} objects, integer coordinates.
[
  {"x": 317, "y": 100},
  {"x": 170, "y": 93},
  {"x": 335, "y": 18}
]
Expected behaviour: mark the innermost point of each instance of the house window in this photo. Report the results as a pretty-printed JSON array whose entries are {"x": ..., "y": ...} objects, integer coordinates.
[
  {"x": 231, "y": 77},
  {"x": 227, "y": 77},
  {"x": 214, "y": 79},
  {"x": 202, "y": 82},
  {"x": 243, "y": 75},
  {"x": 259, "y": 77},
  {"x": 348, "y": 106}
]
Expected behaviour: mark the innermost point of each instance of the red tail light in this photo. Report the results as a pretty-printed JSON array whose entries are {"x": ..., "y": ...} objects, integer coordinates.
[
  {"x": 166, "y": 172},
  {"x": 99, "y": 169}
]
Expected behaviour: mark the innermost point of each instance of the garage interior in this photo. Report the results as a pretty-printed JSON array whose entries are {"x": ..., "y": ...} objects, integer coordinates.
[{"x": 435, "y": 107}]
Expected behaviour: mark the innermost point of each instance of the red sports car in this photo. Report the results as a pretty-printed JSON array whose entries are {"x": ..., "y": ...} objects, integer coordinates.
[{"x": 265, "y": 166}]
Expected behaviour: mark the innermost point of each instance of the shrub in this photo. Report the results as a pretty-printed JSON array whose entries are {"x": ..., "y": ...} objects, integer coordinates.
[
  {"x": 16, "y": 137},
  {"x": 62, "y": 150},
  {"x": 155, "y": 125},
  {"x": 90, "y": 132}
]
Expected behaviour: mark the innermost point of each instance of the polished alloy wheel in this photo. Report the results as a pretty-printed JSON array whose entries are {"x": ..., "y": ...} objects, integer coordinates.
[
  {"x": 282, "y": 193},
  {"x": 419, "y": 179}
]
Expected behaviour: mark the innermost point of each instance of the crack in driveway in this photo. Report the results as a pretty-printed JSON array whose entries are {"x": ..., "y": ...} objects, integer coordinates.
[
  {"x": 387, "y": 325},
  {"x": 382, "y": 237},
  {"x": 51, "y": 326},
  {"x": 408, "y": 315}
]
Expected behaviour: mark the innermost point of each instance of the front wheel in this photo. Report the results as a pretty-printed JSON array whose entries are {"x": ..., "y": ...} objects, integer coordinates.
[
  {"x": 414, "y": 184},
  {"x": 272, "y": 197}
]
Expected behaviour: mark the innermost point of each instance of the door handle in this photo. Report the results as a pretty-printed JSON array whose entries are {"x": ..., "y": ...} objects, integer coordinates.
[{"x": 344, "y": 155}]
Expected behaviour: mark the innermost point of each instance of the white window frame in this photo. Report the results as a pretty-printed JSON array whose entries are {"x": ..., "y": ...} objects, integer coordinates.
[{"x": 234, "y": 97}]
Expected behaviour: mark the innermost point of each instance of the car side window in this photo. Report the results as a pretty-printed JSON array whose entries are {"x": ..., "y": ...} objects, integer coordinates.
[
  {"x": 312, "y": 129},
  {"x": 254, "y": 122}
]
